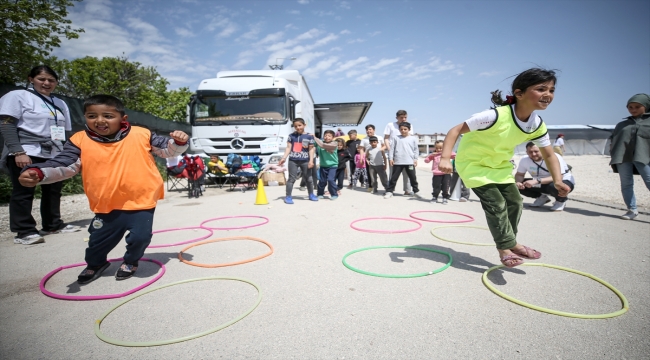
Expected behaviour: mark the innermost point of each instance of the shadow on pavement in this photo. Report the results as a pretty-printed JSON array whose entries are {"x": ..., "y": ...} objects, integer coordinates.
[{"x": 460, "y": 260}]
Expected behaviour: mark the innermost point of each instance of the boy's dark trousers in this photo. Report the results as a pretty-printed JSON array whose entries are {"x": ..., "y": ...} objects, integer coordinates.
[
  {"x": 372, "y": 177},
  {"x": 340, "y": 175},
  {"x": 327, "y": 177},
  {"x": 546, "y": 189},
  {"x": 397, "y": 171},
  {"x": 107, "y": 230},
  {"x": 21, "y": 220},
  {"x": 441, "y": 182}
]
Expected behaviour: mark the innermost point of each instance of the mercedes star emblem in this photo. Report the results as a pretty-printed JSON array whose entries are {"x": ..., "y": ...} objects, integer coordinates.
[{"x": 237, "y": 144}]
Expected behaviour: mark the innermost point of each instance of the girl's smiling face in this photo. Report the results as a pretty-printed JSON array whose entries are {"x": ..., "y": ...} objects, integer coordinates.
[
  {"x": 438, "y": 147},
  {"x": 537, "y": 96},
  {"x": 636, "y": 109}
]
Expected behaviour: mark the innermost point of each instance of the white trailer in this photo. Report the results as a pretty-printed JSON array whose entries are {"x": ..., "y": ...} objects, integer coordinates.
[{"x": 251, "y": 112}]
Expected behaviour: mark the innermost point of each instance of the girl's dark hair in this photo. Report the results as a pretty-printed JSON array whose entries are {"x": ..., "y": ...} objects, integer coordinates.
[
  {"x": 36, "y": 70},
  {"x": 108, "y": 100},
  {"x": 522, "y": 82},
  {"x": 340, "y": 141}
]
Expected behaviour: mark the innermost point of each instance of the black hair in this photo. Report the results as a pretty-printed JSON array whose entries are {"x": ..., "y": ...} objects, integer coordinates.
[
  {"x": 370, "y": 126},
  {"x": 530, "y": 144},
  {"x": 36, "y": 70},
  {"x": 329, "y": 132},
  {"x": 373, "y": 138},
  {"x": 352, "y": 132},
  {"x": 438, "y": 142},
  {"x": 340, "y": 141},
  {"x": 523, "y": 81},
  {"x": 407, "y": 124},
  {"x": 301, "y": 120},
  {"x": 400, "y": 113},
  {"x": 103, "y": 99}
]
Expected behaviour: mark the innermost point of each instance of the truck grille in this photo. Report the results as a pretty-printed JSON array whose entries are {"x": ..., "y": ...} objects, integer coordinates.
[{"x": 244, "y": 138}]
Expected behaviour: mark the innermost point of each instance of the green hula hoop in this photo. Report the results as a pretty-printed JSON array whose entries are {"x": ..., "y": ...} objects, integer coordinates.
[
  {"x": 184, "y": 338},
  {"x": 624, "y": 302},
  {"x": 460, "y": 242},
  {"x": 396, "y": 276}
]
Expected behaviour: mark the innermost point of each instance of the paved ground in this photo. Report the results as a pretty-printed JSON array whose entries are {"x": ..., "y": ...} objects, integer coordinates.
[{"x": 314, "y": 307}]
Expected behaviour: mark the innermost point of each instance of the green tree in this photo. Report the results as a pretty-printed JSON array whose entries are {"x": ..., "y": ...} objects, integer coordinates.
[
  {"x": 141, "y": 88},
  {"x": 29, "y": 31}
]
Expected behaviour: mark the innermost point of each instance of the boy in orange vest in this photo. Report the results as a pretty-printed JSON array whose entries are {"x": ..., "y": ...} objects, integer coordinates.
[{"x": 120, "y": 179}]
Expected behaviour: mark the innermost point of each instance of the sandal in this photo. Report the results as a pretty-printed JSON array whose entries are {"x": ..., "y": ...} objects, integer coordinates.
[
  {"x": 91, "y": 273},
  {"x": 527, "y": 253},
  {"x": 511, "y": 260}
]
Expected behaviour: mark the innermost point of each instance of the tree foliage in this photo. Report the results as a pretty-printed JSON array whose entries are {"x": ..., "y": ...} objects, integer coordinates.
[
  {"x": 29, "y": 30},
  {"x": 141, "y": 88}
]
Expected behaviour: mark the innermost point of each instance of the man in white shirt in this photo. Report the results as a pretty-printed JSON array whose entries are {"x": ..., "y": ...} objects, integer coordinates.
[
  {"x": 540, "y": 186},
  {"x": 390, "y": 132}
]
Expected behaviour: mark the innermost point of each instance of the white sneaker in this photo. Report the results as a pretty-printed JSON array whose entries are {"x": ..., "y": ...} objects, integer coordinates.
[
  {"x": 64, "y": 230},
  {"x": 540, "y": 201},
  {"x": 558, "y": 206},
  {"x": 388, "y": 195},
  {"x": 630, "y": 214},
  {"x": 29, "y": 240},
  {"x": 444, "y": 201}
]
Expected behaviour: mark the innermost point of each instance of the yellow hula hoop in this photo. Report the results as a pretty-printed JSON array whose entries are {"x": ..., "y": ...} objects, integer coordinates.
[
  {"x": 624, "y": 302},
  {"x": 460, "y": 242}
]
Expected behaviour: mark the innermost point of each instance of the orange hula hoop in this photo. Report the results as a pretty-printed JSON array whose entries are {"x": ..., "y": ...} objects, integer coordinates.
[{"x": 180, "y": 254}]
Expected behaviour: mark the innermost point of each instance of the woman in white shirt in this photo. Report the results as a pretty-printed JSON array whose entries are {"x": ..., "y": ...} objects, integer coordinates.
[
  {"x": 33, "y": 125},
  {"x": 558, "y": 147}
]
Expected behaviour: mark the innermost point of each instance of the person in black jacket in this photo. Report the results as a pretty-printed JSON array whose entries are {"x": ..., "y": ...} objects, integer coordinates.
[
  {"x": 344, "y": 157},
  {"x": 353, "y": 149}
]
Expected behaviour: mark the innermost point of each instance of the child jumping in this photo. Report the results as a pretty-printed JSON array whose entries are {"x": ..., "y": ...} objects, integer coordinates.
[
  {"x": 483, "y": 160},
  {"x": 377, "y": 164},
  {"x": 120, "y": 179},
  {"x": 403, "y": 156},
  {"x": 440, "y": 180},
  {"x": 329, "y": 163},
  {"x": 300, "y": 152}
]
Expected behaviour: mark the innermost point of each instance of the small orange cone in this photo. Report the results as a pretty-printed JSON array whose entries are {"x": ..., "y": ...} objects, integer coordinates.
[{"x": 260, "y": 199}]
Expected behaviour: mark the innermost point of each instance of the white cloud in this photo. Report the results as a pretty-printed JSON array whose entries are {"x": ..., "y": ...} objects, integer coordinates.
[
  {"x": 314, "y": 72},
  {"x": 488, "y": 73},
  {"x": 364, "y": 77},
  {"x": 344, "y": 5},
  {"x": 324, "y": 13},
  {"x": 345, "y": 32},
  {"x": 354, "y": 41},
  {"x": 100, "y": 8},
  {"x": 294, "y": 12},
  {"x": 271, "y": 38},
  {"x": 383, "y": 62},
  {"x": 374, "y": 33},
  {"x": 336, "y": 48},
  {"x": 183, "y": 32},
  {"x": 252, "y": 32},
  {"x": 407, "y": 50},
  {"x": 221, "y": 22},
  {"x": 228, "y": 30},
  {"x": 348, "y": 65},
  {"x": 303, "y": 2},
  {"x": 303, "y": 60}
]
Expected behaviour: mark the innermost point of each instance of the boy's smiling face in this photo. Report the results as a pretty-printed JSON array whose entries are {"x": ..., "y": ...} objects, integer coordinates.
[
  {"x": 374, "y": 143},
  {"x": 328, "y": 137},
  {"x": 103, "y": 119},
  {"x": 404, "y": 130},
  {"x": 300, "y": 127}
]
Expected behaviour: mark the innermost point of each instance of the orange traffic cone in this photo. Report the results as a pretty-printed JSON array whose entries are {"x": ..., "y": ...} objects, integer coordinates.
[{"x": 260, "y": 199}]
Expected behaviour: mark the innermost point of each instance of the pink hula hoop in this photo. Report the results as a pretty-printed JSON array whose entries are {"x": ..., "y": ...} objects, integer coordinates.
[
  {"x": 385, "y": 231},
  {"x": 182, "y": 242},
  {"x": 97, "y": 297},
  {"x": 469, "y": 218},
  {"x": 265, "y": 220}
]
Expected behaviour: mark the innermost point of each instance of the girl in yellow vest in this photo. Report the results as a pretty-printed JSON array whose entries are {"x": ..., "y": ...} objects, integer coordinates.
[
  {"x": 484, "y": 153},
  {"x": 120, "y": 179}
]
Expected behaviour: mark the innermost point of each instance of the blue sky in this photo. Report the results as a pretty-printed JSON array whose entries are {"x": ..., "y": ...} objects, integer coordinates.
[{"x": 438, "y": 60}]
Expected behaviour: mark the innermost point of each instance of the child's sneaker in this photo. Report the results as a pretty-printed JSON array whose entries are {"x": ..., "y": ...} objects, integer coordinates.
[
  {"x": 558, "y": 206},
  {"x": 288, "y": 200},
  {"x": 29, "y": 239},
  {"x": 302, "y": 188},
  {"x": 369, "y": 189},
  {"x": 388, "y": 195},
  {"x": 321, "y": 197},
  {"x": 334, "y": 197},
  {"x": 444, "y": 201},
  {"x": 313, "y": 197},
  {"x": 125, "y": 271},
  {"x": 91, "y": 273},
  {"x": 540, "y": 201},
  {"x": 63, "y": 230},
  {"x": 630, "y": 215},
  {"x": 434, "y": 200}
]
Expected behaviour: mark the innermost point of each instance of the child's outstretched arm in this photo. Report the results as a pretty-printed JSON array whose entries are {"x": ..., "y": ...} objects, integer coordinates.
[
  {"x": 165, "y": 147},
  {"x": 63, "y": 166},
  {"x": 448, "y": 146},
  {"x": 329, "y": 147},
  {"x": 554, "y": 167}
]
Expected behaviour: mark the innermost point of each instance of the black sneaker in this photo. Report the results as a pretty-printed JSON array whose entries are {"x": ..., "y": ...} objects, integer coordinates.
[
  {"x": 125, "y": 271},
  {"x": 91, "y": 273}
]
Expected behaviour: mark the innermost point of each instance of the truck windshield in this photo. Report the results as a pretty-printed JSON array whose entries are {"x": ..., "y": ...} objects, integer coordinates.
[{"x": 237, "y": 110}]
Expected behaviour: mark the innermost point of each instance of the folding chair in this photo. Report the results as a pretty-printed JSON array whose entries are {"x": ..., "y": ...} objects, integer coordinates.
[
  {"x": 177, "y": 181},
  {"x": 244, "y": 180},
  {"x": 195, "y": 175}
]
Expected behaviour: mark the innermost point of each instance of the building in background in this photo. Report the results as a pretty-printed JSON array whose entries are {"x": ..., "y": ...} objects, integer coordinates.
[{"x": 426, "y": 141}]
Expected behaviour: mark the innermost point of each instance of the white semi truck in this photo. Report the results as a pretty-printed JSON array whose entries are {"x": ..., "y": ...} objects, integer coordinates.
[{"x": 251, "y": 113}]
